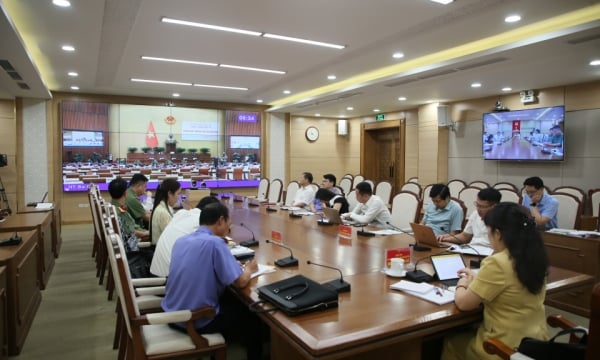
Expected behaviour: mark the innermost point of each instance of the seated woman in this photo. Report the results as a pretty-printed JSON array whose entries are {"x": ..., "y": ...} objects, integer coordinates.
[
  {"x": 332, "y": 200},
  {"x": 166, "y": 196},
  {"x": 510, "y": 285}
]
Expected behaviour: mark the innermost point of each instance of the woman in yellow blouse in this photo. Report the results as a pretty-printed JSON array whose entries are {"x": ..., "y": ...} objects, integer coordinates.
[
  {"x": 511, "y": 285},
  {"x": 167, "y": 195}
]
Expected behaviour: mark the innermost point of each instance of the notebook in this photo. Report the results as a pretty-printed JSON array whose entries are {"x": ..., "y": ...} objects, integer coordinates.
[
  {"x": 333, "y": 216},
  {"x": 424, "y": 235},
  {"x": 446, "y": 267}
]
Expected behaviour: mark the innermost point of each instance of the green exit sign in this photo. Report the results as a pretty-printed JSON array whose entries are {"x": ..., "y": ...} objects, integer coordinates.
[{"x": 380, "y": 117}]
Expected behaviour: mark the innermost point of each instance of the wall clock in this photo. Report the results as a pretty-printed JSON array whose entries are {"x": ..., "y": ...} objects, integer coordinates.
[{"x": 312, "y": 133}]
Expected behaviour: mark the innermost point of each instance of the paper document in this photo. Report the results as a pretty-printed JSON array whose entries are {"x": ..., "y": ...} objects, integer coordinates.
[
  {"x": 241, "y": 251},
  {"x": 477, "y": 250},
  {"x": 263, "y": 269},
  {"x": 571, "y": 232},
  {"x": 425, "y": 291},
  {"x": 44, "y": 206},
  {"x": 386, "y": 232}
]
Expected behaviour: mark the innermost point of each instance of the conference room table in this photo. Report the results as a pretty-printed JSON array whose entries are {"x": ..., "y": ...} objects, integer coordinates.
[{"x": 372, "y": 320}]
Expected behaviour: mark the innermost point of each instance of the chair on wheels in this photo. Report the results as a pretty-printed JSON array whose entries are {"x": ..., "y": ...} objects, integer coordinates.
[{"x": 495, "y": 347}]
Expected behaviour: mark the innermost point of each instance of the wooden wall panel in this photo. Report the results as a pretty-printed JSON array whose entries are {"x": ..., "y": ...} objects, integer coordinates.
[{"x": 8, "y": 146}]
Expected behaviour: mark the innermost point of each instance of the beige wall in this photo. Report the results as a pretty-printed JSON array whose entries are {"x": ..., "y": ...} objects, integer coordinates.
[{"x": 8, "y": 134}]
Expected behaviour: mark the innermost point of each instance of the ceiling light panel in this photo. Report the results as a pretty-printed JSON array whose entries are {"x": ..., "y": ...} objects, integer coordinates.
[
  {"x": 181, "y": 61},
  {"x": 210, "y": 27}
]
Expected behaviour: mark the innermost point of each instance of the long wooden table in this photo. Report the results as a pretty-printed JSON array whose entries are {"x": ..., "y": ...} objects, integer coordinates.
[{"x": 371, "y": 320}]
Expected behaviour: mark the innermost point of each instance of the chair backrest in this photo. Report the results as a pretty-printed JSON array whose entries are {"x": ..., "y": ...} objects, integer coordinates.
[
  {"x": 577, "y": 192},
  {"x": 510, "y": 195},
  {"x": 413, "y": 187},
  {"x": 414, "y": 179},
  {"x": 370, "y": 182},
  {"x": 346, "y": 185},
  {"x": 569, "y": 210},
  {"x": 468, "y": 196},
  {"x": 425, "y": 195},
  {"x": 505, "y": 185},
  {"x": 275, "y": 188},
  {"x": 238, "y": 173},
  {"x": 290, "y": 192},
  {"x": 594, "y": 196},
  {"x": 464, "y": 209},
  {"x": 314, "y": 187},
  {"x": 406, "y": 208},
  {"x": 357, "y": 179},
  {"x": 352, "y": 202},
  {"x": 384, "y": 191},
  {"x": 456, "y": 186},
  {"x": 479, "y": 184},
  {"x": 263, "y": 188}
]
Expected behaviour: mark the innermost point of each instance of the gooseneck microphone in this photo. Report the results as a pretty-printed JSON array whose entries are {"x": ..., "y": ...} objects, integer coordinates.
[
  {"x": 269, "y": 208},
  {"x": 362, "y": 231},
  {"x": 418, "y": 276},
  {"x": 338, "y": 285},
  {"x": 322, "y": 220},
  {"x": 249, "y": 243},
  {"x": 286, "y": 261},
  {"x": 415, "y": 246}
]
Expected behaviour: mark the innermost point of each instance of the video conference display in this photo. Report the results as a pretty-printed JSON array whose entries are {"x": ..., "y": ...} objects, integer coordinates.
[
  {"x": 78, "y": 138},
  {"x": 524, "y": 135}
]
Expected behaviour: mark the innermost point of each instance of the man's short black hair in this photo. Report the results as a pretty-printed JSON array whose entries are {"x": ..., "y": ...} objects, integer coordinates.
[
  {"x": 490, "y": 195},
  {"x": 534, "y": 181},
  {"x": 212, "y": 213},
  {"x": 439, "y": 189},
  {"x": 308, "y": 176},
  {"x": 331, "y": 178},
  {"x": 206, "y": 201},
  {"x": 138, "y": 178},
  {"x": 364, "y": 188},
  {"x": 117, "y": 188}
]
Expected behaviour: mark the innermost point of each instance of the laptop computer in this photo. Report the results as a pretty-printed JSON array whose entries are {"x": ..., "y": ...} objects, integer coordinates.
[
  {"x": 333, "y": 216},
  {"x": 446, "y": 267},
  {"x": 424, "y": 235}
]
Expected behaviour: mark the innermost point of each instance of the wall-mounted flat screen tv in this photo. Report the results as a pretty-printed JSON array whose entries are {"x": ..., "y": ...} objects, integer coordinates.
[
  {"x": 82, "y": 138},
  {"x": 525, "y": 135},
  {"x": 244, "y": 142}
]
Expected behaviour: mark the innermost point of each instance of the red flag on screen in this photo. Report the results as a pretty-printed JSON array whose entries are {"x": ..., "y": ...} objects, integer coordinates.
[
  {"x": 516, "y": 125},
  {"x": 151, "y": 139}
]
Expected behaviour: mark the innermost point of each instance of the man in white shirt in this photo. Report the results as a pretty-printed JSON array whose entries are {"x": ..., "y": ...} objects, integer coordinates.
[
  {"x": 370, "y": 209},
  {"x": 475, "y": 233},
  {"x": 305, "y": 194},
  {"x": 183, "y": 222}
]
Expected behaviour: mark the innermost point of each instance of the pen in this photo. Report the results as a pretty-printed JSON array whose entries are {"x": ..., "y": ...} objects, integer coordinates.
[{"x": 438, "y": 291}]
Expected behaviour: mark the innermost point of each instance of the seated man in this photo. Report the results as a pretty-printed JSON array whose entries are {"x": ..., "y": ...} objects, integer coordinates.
[
  {"x": 443, "y": 215},
  {"x": 370, "y": 208},
  {"x": 184, "y": 222},
  {"x": 137, "y": 188},
  {"x": 556, "y": 137},
  {"x": 137, "y": 259},
  {"x": 201, "y": 269},
  {"x": 542, "y": 206},
  {"x": 475, "y": 232},
  {"x": 305, "y": 194}
]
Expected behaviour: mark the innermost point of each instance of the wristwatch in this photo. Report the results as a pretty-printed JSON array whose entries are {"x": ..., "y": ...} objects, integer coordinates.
[{"x": 533, "y": 204}]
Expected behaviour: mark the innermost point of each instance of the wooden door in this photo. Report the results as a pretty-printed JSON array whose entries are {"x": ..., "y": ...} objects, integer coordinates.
[{"x": 382, "y": 152}]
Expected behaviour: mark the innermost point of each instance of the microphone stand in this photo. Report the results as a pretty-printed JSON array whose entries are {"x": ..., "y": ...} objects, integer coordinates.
[
  {"x": 249, "y": 243},
  {"x": 362, "y": 232},
  {"x": 286, "y": 261},
  {"x": 415, "y": 246},
  {"x": 418, "y": 276},
  {"x": 322, "y": 221},
  {"x": 338, "y": 285}
]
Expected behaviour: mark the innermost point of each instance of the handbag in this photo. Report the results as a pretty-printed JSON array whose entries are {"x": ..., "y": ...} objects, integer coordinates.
[
  {"x": 296, "y": 295},
  {"x": 552, "y": 350}
]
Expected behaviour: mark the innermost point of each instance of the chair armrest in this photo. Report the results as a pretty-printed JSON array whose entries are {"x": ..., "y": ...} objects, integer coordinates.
[
  {"x": 494, "y": 346},
  {"x": 560, "y": 321},
  {"x": 168, "y": 317},
  {"x": 153, "y": 290},
  {"x": 148, "y": 282}
]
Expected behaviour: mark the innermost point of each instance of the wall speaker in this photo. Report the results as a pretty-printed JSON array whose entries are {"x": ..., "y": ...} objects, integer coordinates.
[
  {"x": 342, "y": 127},
  {"x": 443, "y": 118}
]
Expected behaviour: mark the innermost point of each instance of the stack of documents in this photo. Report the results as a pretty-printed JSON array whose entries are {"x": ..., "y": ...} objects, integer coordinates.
[
  {"x": 425, "y": 291},
  {"x": 263, "y": 269},
  {"x": 571, "y": 232},
  {"x": 44, "y": 206},
  {"x": 477, "y": 250}
]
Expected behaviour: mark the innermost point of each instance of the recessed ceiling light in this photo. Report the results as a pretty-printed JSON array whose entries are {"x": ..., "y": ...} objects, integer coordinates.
[
  {"x": 506, "y": 89},
  {"x": 74, "y": 87},
  {"x": 398, "y": 55},
  {"x": 349, "y": 108},
  {"x": 402, "y": 98},
  {"x": 443, "y": 2},
  {"x": 287, "y": 92},
  {"x": 512, "y": 18},
  {"x": 161, "y": 82},
  {"x": 260, "y": 101},
  {"x": 595, "y": 62},
  {"x": 61, "y": 3},
  {"x": 176, "y": 95},
  {"x": 376, "y": 110},
  {"x": 430, "y": 101},
  {"x": 476, "y": 85},
  {"x": 341, "y": 116},
  {"x": 331, "y": 77},
  {"x": 68, "y": 48},
  {"x": 317, "y": 114},
  {"x": 72, "y": 74}
]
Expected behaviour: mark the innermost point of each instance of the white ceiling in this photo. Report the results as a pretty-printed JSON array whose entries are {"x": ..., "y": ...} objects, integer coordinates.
[{"x": 112, "y": 35}]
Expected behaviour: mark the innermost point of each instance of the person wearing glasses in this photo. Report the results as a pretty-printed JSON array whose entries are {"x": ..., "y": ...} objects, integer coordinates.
[
  {"x": 542, "y": 206},
  {"x": 475, "y": 233},
  {"x": 443, "y": 215}
]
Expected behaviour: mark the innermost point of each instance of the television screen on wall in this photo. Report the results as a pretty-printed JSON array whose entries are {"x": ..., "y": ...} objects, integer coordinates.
[
  {"x": 82, "y": 138},
  {"x": 244, "y": 142},
  {"x": 525, "y": 135}
]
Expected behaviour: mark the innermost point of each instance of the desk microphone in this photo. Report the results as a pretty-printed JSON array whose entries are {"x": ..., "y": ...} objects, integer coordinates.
[
  {"x": 322, "y": 221},
  {"x": 286, "y": 261},
  {"x": 269, "y": 208},
  {"x": 293, "y": 215},
  {"x": 362, "y": 232},
  {"x": 415, "y": 246},
  {"x": 418, "y": 276},
  {"x": 338, "y": 285},
  {"x": 249, "y": 243}
]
